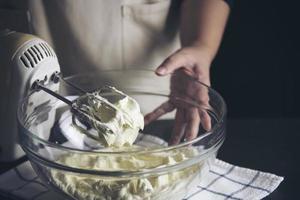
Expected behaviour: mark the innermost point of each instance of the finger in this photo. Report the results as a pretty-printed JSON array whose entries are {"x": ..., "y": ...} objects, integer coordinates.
[
  {"x": 183, "y": 101},
  {"x": 197, "y": 91},
  {"x": 203, "y": 95},
  {"x": 193, "y": 122},
  {"x": 159, "y": 111},
  {"x": 178, "y": 129},
  {"x": 173, "y": 62},
  {"x": 205, "y": 120}
]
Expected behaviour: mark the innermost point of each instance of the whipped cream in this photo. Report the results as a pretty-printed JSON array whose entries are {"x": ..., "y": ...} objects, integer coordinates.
[
  {"x": 88, "y": 187},
  {"x": 115, "y": 115}
]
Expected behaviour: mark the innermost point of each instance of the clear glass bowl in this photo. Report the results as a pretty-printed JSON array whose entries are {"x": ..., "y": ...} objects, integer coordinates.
[{"x": 62, "y": 157}]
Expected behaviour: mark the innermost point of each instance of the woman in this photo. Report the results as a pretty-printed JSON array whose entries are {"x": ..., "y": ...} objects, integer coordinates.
[{"x": 162, "y": 35}]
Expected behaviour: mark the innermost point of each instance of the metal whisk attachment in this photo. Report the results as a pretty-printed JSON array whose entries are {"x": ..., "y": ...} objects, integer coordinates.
[{"x": 80, "y": 113}]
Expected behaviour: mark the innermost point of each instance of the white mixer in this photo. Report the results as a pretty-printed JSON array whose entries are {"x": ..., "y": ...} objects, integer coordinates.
[
  {"x": 31, "y": 66},
  {"x": 24, "y": 59}
]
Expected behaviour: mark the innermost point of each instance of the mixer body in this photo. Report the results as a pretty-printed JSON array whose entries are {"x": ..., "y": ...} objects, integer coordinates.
[{"x": 24, "y": 59}]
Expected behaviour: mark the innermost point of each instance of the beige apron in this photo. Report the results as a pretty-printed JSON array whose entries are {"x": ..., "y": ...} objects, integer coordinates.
[
  {"x": 94, "y": 35},
  {"x": 106, "y": 34}
]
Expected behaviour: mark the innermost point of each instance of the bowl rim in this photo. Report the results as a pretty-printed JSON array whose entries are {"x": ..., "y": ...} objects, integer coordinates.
[{"x": 154, "y": 150}]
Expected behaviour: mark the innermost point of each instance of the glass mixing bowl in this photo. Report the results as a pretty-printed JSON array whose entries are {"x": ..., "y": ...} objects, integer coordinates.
[{"x": 78, "y": 168}]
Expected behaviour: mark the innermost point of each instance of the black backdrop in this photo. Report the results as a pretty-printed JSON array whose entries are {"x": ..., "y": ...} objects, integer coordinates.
[{"x": 257, "y": 67}]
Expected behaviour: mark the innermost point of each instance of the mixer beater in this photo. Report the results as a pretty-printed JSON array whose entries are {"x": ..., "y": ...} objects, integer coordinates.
[{"x": 80, "y": 112}]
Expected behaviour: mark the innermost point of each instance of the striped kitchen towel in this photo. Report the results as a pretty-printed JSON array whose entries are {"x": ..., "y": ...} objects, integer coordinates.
[{"x": 224, "y": 181}]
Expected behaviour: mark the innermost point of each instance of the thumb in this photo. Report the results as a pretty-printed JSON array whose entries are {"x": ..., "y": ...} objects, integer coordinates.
[{"x": 169, "y": 65}]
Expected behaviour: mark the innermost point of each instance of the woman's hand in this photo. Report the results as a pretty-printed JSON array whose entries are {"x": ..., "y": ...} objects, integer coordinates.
[{"x": 188, "y": 96}]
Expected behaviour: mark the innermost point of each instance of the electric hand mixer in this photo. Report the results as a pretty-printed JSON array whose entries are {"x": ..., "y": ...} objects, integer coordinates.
[{"x": 28, "y": 65}]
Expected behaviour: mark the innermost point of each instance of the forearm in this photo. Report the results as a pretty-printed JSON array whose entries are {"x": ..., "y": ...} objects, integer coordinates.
[{"x": 202, "y": 24}]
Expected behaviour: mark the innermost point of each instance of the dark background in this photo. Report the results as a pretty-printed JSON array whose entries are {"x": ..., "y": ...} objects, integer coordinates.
[
  {"x": 257, "y": 72},
  {"x": 257, "y": 67}
]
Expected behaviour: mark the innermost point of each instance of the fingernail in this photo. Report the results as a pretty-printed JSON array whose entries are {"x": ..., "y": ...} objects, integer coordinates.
[{"x": 161, "y": 70}]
